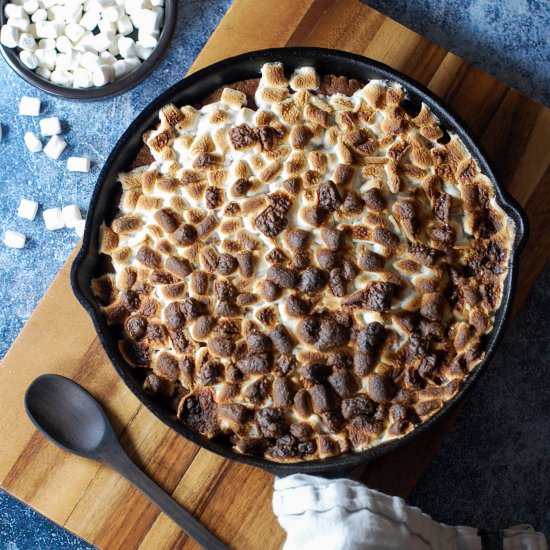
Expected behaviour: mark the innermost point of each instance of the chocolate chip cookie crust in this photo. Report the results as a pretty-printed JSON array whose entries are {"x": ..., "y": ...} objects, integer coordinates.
[{"x": 308, "y": 278}]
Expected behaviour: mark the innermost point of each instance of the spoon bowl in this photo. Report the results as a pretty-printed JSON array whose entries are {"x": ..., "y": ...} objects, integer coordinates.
[
  {"x": 67, "y": 415},
  {"x": 72, "y": 419}
]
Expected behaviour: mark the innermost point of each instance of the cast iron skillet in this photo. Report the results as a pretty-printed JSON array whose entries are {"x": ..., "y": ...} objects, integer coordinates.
[{"x": 193, "y": 89}]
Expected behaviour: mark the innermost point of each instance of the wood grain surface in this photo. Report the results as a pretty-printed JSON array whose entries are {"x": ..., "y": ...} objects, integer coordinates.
[{"x": 234, "y": 500}]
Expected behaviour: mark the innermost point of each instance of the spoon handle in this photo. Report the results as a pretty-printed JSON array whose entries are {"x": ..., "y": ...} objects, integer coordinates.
[{"x": 192, "y": 526}]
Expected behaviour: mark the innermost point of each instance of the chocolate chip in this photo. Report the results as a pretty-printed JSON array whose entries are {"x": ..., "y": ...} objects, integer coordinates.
[
  {"x": 271, "y": 221},
  {"x": 242, "y": 136},
  {"x": 328, "y": 197},
  {"x": 213, "y": 197}
]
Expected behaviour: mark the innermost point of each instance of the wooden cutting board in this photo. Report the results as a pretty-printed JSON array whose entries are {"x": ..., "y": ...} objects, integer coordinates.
[{"x": 234, "y": 500}]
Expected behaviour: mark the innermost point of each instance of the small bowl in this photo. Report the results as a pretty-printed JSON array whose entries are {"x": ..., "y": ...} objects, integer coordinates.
[{"x": 11, "y": 55}]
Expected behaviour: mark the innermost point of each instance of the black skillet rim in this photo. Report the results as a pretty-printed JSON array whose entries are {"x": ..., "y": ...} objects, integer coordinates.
[
  {"x": 112, "y": 89},
  {"x": 227, "y": 71}
]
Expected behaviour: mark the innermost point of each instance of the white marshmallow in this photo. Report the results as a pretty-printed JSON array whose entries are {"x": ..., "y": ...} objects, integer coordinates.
[
  {"x": 22, "y": 24},
  {"x": 67, "y": 61},
  {"x": 157, "y": 3},
  {"x": 107, "y": 58},
  {"x": 30, "y": 6},
  {"x": 53, "y": 219},
  {"x": 102, "y": 74},
  {"x": 48, "y": 3},
  {"x": 132, "y": 63},
  {"x": 107, "y": 27},
  {"x": 14, "y": 239},
  {"x": 12, "y": 10},
  {"x": 143, "y": 53},
  {"x": 46, "y": 58},
  {"x": 78, "y": 164},
  {"x": 134, "y": 6},
  {"x": 79, "y": 227},
  {"x": 47, "y": 43},
  {"x": 29, "y": 106},
  {"x": 82, "y": 78},
  {"x": 27, "y": 41},
  {"x": 55, "y": 146},
  {"x": 90, "y": 20},
  {"x": 27, "y": 209},
  {"x": 127, "y": 47},
  {"x": 148, "y": 39},
  {"x": 86, "y": 43},
  {"x": 28, "y": 59},
  {"x": 50, "y": 126},
  {"x": 120, "y": 68},
  {"x": 73, "y": 13},
  {"x": 44, "y": 72},
  {"x": 39, "y": 15},
  {"x": 74, "y": 32},
  {"x": 63, "y": 44},
  {"x": 46, "y": 29},
  {"x": 71, "y": 214},
  {"x": 61, "y": 77},
  {"x": 89, "y": 60},
  {"x": 56, "y": 13},
  {"x": 112, "y": 13},
  {"x": 124, "y": 25},
  {"x": 33, "y": 144},
  {"x": 9, "y": 36},
  {"x": 102, "y": 41},
  {"x": 113, "y": 48}
]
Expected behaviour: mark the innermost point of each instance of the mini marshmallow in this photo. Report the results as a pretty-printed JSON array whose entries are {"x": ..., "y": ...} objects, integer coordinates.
[
  {"x": 107, "y": 27},
  {"x": 90, "y": 20},
  {"x": 120, "y": 68},
  {"x": 29, "y": 106},
  {"x": 67, "y": 61},
  {"x": 127, "y": 47},
  {"x": 47, "y": 43},
  {"x": 102, "y": 74},
  {"x": 46, "y": 58},
  {"x": 9, "y": 36},
  {"x": 62, "y": 77},
  {"x": 39, "y": 15},
  {"x": 86, "y": 43},
  {"x": 12, "y": 10},
  {"x": 21, "y": 24},
  {"x": 134, "y": 6},
  {"x": 143, "y": 53},
  {"x": 28, "y": 59},
  {"x": 48, "y": 3},
  {"x": 82, "y": 78},
  {"x": 89, "y": 60},
  {"x": 33, "y": 144},
  {"x": 14, "y": 239},
  {"x": 157, "y": 3},
  {"x": 27, "y": 209},
  {"x": 50, "y": 126},
  {"x": 56, "y": 13},
  {"x": 74, "y": 32},
  {"x": 73, "y": 13},
  {"x": 113, "y": 48},
  {"x": 132, "y": 63},
  {"x": 55, "y": 146},
  {"x": 102, "y": 41},
  {"x": 148, "y": 39},
  {"x": 112, "y": 13},
  {"x": 63, "y": 44},
  {"x": 78, "y": 164},
  {"x": 46, "y": 29},
  {"x": 71, "y": 214},
  {"x": 106, "y": 58},
  {"x": 27, "y": 41},
  {"x": 79, "y": 227},
  {"x": 44, "y": 72},
  {"x": 124, "y": 25},
  {"x": 53, "y": 219}
]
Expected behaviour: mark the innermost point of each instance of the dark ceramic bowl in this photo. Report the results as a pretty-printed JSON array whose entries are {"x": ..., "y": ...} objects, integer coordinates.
[
  {"x": 11, "y": 55},
  {"x": 198, "y": 86}
]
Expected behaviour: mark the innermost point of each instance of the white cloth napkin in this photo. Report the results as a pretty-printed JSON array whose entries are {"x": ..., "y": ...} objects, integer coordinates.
[{"x": 335, "y": 514}]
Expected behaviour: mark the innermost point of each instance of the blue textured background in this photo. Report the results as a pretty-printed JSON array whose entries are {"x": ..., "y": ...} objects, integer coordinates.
[{"x": 492, "y": 470}]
